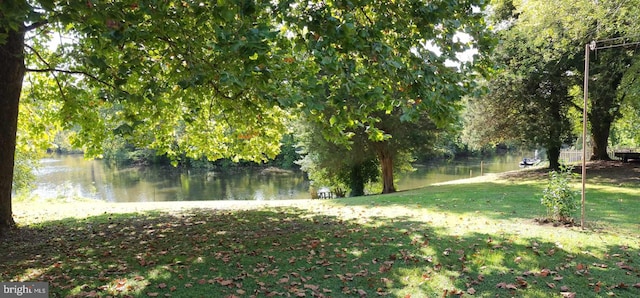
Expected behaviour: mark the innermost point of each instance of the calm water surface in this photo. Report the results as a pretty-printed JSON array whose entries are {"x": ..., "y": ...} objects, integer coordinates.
[
  {"x": 72, "y": 175},
  {"x": 453, "y": 170}
]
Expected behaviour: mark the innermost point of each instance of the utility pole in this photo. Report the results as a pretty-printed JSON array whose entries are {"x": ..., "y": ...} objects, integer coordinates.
[{"x": 587, "y": 48}]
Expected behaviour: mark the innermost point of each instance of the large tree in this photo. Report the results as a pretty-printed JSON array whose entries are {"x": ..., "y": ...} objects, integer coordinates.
[
  {"x": 212, "y": 78},
  {"x": 568, "y": 27},
  {"x": 607, "y": 95},
  {"x": 376, "y": 67},
  {"x": 173, "y": 75},
  {"x": 363, "y": 159},
  {"x": 527, "y": 100},
  {"x": 545, "y": 43}
]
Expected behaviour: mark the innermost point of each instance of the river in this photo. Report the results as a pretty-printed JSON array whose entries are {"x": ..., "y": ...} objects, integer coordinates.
[{"x": 73, "y": 176}]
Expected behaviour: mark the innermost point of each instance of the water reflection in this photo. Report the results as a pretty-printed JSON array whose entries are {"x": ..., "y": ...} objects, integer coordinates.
[
  {"x": 446, "y": 171},
  {"x": 74, "y": 176}
]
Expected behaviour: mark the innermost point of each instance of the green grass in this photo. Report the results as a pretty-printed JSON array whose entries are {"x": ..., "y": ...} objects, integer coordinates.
[{"x": 473, "y": 238}]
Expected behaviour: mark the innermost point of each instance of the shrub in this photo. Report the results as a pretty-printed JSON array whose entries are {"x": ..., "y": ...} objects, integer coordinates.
[{"x": 558, "y": 197}]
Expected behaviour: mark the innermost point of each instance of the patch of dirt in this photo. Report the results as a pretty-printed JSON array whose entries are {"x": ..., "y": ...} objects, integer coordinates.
[
  {"x": 613, "y": 172},
  {"x": 567, "y": 223}
]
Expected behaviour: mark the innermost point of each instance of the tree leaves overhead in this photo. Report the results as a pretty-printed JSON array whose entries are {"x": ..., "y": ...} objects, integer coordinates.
[
  {"x": 162, "y": 71},
  {"x": 364, "y": 69},
  {"x": 360, "y": 57},
  {"x": 178, "y": 67}
]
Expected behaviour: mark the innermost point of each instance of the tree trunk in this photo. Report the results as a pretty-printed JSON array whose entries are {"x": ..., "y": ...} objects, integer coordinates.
[
  {"x": 386, "y": 162},
  {"x": 600, "y": 135},
  {"x": 356, "y": 181},
  {"x": 605, "y": 106},
  {"x": 553, "y": 154},
  {"x": 11, "y": 75}
]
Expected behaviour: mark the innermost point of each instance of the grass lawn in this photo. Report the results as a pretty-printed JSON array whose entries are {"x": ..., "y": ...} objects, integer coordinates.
[{"x": 477, "y": 238}]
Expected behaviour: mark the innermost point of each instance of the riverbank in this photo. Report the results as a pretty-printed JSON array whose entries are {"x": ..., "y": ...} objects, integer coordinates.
[
  {"x": 473, "y": 238},
  {"x": 72, "y": 176},
  {"x": 599, "y": 172}
]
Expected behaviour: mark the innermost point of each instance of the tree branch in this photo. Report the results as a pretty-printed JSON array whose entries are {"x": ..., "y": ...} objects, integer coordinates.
[
  {"x": 36, "y": 25},
  {"x": 367, "y": 16},
  {"x": 67, "y": 71},
  {"x": 48, "y": 65}
]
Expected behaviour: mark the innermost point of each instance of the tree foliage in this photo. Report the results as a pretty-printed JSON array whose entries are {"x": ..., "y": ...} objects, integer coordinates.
[
  {"x": 368, "y": 69},
  {"x": 625, "y": 129},
  {"x": 527, "y": 102},
  {"x": 37, "y": 128},
  {"x": 332, "y": 164},
  {"x": 175, "y": 93},
  {"x": 546, "y": 41}
]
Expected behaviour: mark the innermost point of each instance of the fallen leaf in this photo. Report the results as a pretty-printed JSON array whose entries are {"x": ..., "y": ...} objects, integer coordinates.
[
  {"x": 622, "y": 265},
  {"x": 518, "y": 260},
  {"x": 311, "y": 287},
  {"x": 153, "y": 294},
  {"x": 521, "y": 282},
  {"x": 621, "y": 286},
  {"x": 568, "y": 294},
  {"x": 471, "y": 291},
  {"x": 162, "y": 285},
  {"x": 596, "y": 288},
  {"x": 600, "y": 265},
  {"x": 545, "y": 272}
]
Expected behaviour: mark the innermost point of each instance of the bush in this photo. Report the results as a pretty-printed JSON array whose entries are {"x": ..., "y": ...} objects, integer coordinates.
[{"x": 558, "y": 197}]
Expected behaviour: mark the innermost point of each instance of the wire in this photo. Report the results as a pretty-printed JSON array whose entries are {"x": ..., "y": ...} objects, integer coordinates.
[
  {"x": 617, "y": 45},
  {"x": 615, "y": 41}
]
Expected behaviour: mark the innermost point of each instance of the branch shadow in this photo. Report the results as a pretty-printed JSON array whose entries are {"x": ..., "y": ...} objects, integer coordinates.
[{"x": 288, "y": 251}]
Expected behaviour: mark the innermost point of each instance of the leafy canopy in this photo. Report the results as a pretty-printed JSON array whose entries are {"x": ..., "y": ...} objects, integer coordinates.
[{"x": 216, "y": 79}]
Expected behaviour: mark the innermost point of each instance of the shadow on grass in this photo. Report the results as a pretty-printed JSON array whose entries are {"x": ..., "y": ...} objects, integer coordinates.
[{"x": 292, "y": 252}]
